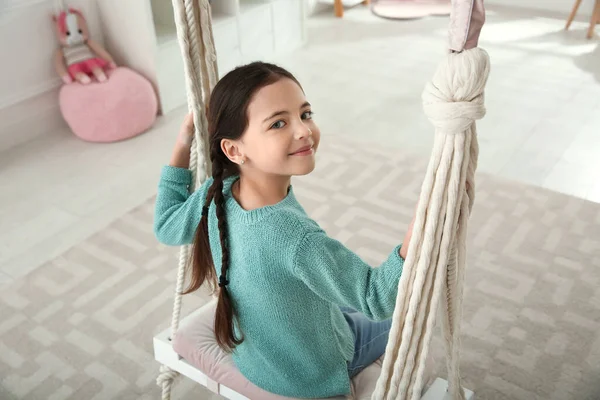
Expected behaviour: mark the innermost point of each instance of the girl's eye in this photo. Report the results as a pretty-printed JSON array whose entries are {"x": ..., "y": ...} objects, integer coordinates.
[
  {"x": 278, "y": 125},
  {"x": 307, "y": 115}
]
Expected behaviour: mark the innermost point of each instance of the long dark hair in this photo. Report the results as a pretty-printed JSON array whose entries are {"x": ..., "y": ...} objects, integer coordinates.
[{"x": 227, "y": 119}]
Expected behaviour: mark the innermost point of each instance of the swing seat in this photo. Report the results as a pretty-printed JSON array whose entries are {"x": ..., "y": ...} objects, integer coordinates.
[{"x": 194, "y": 353}]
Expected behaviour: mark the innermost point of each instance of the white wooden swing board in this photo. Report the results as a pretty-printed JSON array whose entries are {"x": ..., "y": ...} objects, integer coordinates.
[
  {"x": 164, "y": 354},
  {"x": 438, "y": 391}
]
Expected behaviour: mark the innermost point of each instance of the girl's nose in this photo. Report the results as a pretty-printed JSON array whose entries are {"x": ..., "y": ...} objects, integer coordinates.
[{"x": 303, "y": 132}]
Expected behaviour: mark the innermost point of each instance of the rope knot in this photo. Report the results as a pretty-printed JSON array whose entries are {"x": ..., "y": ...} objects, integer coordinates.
[
  {"x": 454, "y": 117},
  {"x": 453, "y": 100}
]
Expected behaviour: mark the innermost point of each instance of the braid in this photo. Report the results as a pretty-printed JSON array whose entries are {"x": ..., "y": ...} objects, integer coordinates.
[
  {"x": 224, "y": 316},
  {"x": 218, "y": 172},
  {"x": 219, "y": 200}
]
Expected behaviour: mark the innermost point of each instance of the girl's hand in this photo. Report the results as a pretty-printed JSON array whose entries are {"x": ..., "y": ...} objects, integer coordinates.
[
  {"x": 181, "y": 152},
  {"x": 186, "y": 132},
  {"x": 406, "y": 241}
]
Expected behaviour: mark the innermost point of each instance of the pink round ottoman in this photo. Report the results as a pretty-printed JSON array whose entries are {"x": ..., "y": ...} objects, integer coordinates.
[{"x": 120, "y": 108}]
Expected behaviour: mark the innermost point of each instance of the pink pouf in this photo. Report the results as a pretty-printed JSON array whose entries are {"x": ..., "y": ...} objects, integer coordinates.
[{"x": 120, "y": 108}]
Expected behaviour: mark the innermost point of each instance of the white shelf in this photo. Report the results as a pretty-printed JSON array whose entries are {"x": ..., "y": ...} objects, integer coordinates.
[
  {"x": 249, "y": 5},
  {"x": 222, "y": 18}
]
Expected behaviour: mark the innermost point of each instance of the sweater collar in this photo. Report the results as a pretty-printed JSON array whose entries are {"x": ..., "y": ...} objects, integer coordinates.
[{"x": 235, "y": 210}]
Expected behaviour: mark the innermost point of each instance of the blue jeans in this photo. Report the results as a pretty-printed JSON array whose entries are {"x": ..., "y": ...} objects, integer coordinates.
[{"x": 371, "y": 338}]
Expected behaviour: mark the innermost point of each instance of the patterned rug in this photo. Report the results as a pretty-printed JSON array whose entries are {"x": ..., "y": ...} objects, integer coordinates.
[{"x": 81, "y": 326}]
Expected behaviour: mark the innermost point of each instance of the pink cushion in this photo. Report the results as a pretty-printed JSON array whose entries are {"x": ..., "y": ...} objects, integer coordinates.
[
  {"x": 195, "y": 342},
  {"x": 409, "y": 9},
  {"x": 120, "y": 108}
]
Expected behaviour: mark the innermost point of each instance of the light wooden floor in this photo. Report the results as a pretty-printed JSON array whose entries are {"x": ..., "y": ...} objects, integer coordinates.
[{"x": 364, "y": 76}]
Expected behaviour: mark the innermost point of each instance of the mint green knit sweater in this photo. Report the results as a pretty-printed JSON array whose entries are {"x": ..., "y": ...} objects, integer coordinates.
[{"x": 287, "y": 281}]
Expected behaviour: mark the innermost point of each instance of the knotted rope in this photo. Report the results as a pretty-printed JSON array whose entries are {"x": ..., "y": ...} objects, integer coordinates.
[{"x": 434, "y": 268}]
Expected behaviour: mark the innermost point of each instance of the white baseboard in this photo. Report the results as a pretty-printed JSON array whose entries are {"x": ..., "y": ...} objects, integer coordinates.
[{"x": 30, "y": 118}]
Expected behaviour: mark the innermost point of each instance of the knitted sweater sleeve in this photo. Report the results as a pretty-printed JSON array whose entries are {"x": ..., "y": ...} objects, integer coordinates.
[
  {"x": 338, "y": 275},
  {"x": 177, "y": 213}
]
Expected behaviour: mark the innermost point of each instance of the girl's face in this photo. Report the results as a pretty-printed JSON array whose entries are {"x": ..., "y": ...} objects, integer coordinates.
[{"x": 281, "y": 138}]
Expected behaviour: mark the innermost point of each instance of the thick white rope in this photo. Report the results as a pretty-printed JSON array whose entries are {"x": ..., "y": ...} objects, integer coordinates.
[
  {"x": 194, "y": 32},
  {"x": 434, "y": 269},
  {"x": 209, "y": 59}
]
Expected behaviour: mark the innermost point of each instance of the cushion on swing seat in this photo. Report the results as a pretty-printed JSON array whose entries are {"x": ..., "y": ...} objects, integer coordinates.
[{"x": 196, "y": 343}]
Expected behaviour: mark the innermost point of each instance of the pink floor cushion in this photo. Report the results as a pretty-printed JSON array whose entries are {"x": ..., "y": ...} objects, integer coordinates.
[
  {"x": 196, "y": 343},
  {"x": 409, "y": 9},
  {"x": 120, "y": 108}
]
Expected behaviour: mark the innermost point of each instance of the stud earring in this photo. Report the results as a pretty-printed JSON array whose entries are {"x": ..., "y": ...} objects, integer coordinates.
[{"x": 242, "y": 162}]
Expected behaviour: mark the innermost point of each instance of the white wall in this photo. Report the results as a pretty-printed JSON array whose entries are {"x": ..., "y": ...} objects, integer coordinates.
[
  {"x": 28, "y": 82},
  {"x": 27, "y": 44}
]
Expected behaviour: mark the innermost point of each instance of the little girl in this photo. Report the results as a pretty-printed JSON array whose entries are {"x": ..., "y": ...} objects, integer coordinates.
[{"x": 297, "y": 309}]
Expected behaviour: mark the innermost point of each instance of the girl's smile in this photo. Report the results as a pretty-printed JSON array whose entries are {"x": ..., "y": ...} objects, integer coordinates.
[{"x": 304, "y": 151}]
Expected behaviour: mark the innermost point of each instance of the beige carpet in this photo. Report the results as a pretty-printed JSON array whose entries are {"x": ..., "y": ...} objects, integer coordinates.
[{"x": 81, "y": 326}]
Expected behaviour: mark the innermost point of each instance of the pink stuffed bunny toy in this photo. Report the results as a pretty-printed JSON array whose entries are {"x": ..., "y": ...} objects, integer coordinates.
[{"x": 79, "y": 57}]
